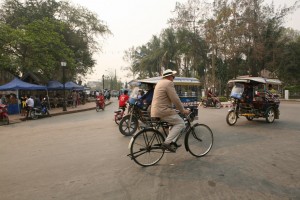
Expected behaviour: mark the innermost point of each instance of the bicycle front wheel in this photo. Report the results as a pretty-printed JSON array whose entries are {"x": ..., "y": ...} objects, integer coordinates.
[
  {"x": 199, "y": 140},
  {"x": 145, "y": 147}
]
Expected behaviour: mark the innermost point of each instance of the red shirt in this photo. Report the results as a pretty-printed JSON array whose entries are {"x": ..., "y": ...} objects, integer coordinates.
[
  {"x": 100, "y": 98},
  {"x": 122, "y": 100}
]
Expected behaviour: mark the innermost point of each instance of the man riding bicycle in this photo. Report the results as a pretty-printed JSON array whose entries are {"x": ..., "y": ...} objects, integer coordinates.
[{"x": 164, "y": 96}]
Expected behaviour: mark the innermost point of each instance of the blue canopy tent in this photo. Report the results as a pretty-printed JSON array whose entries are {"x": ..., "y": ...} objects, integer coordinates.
[
  {"x": 17, "y": 84},
  {"x": 55, "y": 85},
  {"x": 73, "y": 86}
]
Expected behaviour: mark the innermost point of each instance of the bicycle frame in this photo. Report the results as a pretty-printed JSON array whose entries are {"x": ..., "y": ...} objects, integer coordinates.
[{"x": 188, "y": 126}]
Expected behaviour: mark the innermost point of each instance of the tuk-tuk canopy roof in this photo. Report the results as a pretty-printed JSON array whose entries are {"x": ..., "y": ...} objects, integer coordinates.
[
  {"x": 256, "y": 80},
  {"x": 177, "y": 80},
  {"x": 273, "y": 81}
]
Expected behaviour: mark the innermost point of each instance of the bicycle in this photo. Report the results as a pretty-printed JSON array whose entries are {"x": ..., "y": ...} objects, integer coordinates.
[{"x": 145, "y": 146}]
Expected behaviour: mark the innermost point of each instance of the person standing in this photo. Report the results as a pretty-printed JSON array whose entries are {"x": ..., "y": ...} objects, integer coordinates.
[
  {"x": 3, "y": 99},
  {"x": 162, "y": 106},
  {"x": 37, "y": 101},
  {"x": 23, "y": 105},
  {"x": 74, "y": 98},
  {"x": 108, "y": 95},
  {"x": 30, "y": 105}
]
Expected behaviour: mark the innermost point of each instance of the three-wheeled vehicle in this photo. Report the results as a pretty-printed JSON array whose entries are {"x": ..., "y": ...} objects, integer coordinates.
[
  {"x": 252, "y": 99},
  {"x": 186, "y": 88}
]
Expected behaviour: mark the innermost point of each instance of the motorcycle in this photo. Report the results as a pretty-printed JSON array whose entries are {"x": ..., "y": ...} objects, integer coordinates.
[
  {"x": 100, "y": 103},
  {"x": 119, "y": 114},
  {"x": 130, "y": 122},
  {"x": 4, "y": 114},
  {"x": 208, "y": 102},
  {"x": 41, "y": 111}
]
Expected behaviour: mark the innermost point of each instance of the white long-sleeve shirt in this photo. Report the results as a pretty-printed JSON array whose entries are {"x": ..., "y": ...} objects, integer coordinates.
[{"x": 30, "y": 102}]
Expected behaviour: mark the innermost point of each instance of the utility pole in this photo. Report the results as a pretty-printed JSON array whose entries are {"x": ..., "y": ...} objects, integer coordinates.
[{"x": 213, "y": 67}]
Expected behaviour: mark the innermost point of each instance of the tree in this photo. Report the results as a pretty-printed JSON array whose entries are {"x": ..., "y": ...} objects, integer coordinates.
[
  {"x": 227, "y": 39},
  {"x": 44, "y": 32},
  {"x": 289, "y": 65}
]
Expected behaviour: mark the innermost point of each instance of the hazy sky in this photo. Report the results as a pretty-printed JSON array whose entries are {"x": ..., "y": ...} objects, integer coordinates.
[{"x": 134, "y": 22}]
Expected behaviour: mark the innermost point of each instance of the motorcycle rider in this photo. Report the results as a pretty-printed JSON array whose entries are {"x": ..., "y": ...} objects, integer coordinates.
[
  {"x": 100, "y": 97},
  {"x": 123, "y": 100},
  {"x": 211, "y": 97}
]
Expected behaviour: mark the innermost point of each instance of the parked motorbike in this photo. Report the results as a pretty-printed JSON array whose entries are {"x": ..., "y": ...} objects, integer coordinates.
[
  {"x": 4, "y": 114},
  {"x": 100, "y": 103},
  {"x": 41, "y": 111},
  {"x": 119, "y": 114},
  {"x": 211, "y": 102}
]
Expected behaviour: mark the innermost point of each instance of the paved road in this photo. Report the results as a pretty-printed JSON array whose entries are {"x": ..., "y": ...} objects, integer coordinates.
[{"x": 83, "y": 156}]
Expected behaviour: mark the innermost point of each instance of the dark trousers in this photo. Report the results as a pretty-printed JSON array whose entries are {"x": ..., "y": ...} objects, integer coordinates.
[{"x": 28, "y": 111}]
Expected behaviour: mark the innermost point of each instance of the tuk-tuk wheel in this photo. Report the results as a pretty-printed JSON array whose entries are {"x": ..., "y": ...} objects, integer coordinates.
[
  {"x": 249, "y": 118},
  {"x": 231, "y": 118},
  {"x": 270, "y": 116}
]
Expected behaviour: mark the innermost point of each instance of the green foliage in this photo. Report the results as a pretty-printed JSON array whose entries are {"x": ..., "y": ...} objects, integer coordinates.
[
  {"x": 289, "y": 66},
  {"x": 36, "y": 35},
  {"x": 293, "y": 88},
  {"x": 223, "y": 99}
]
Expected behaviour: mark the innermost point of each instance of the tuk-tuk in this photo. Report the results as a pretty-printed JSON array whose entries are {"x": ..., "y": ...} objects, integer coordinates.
[
  {"x": 188, "y": 89},
  {"x": 252, "y": 98}
]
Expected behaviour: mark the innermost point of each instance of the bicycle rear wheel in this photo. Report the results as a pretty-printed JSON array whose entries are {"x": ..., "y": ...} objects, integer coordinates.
[
  {"x": 199, "y": 140},
  {"x": 145, "y": 147}
]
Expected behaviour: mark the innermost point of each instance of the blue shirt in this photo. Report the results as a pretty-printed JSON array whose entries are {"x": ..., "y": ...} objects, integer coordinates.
[{"x": 148, "y": 96}]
